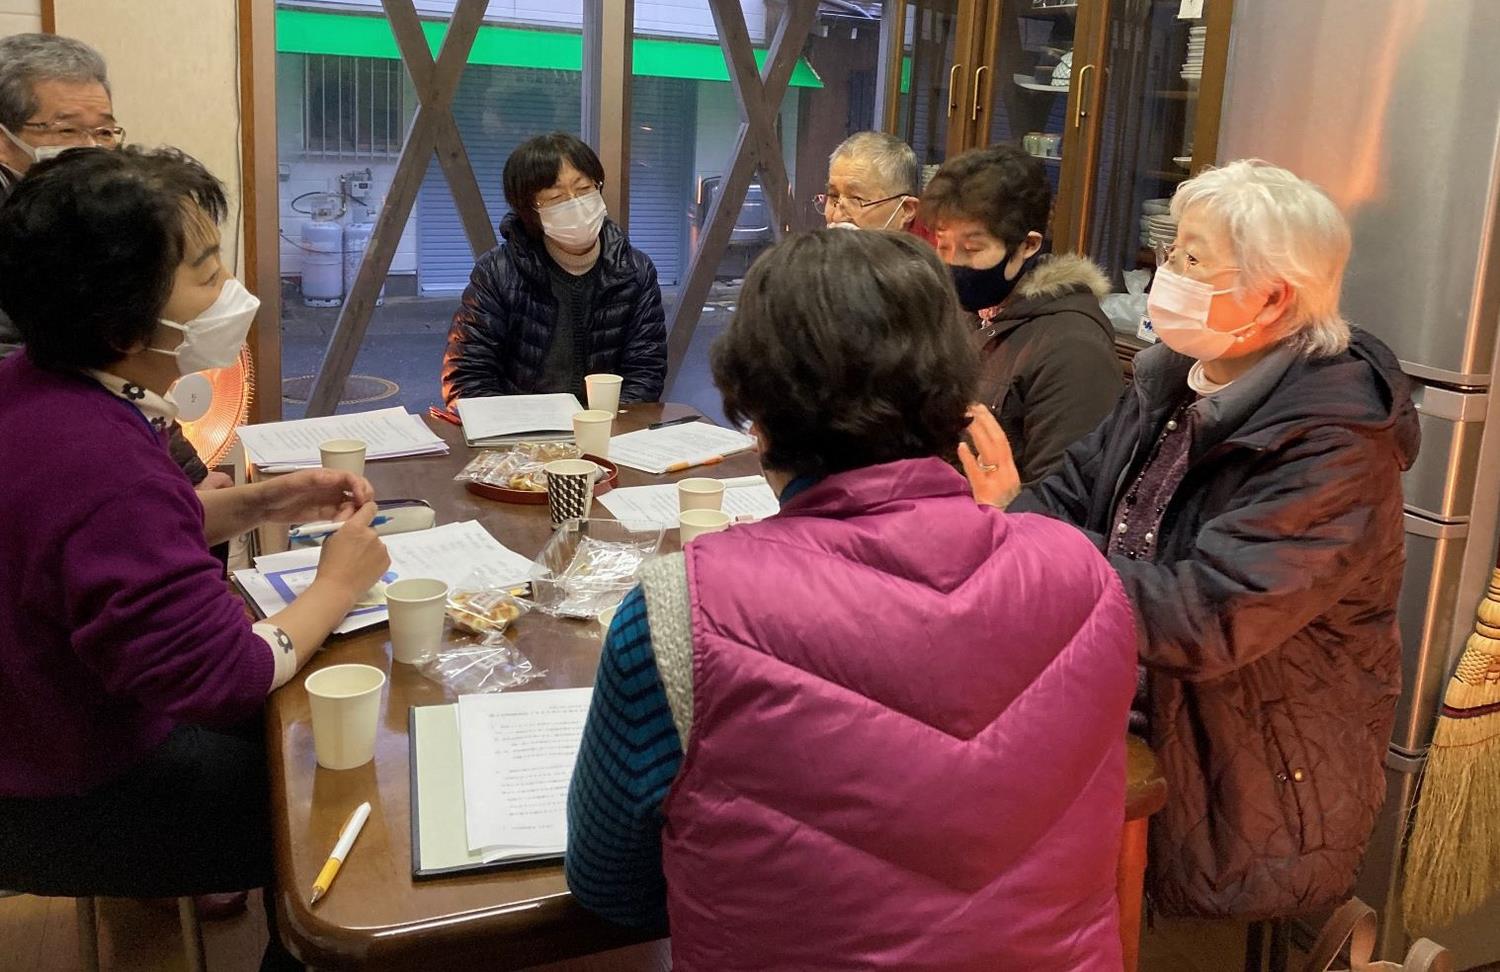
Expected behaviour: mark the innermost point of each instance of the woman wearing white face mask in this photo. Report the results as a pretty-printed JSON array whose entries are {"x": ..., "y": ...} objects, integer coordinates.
[
  {"x": 130, "y": 676},
  {"x": 564, "y": 296},
  {"x": 1248, "y": 492}
]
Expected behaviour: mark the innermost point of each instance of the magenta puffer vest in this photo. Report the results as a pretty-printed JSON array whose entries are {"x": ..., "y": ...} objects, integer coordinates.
[{"x": 908, "y": 738}]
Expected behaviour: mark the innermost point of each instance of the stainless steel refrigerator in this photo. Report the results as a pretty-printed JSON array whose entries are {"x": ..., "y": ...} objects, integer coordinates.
[{"x": 1393, "y": 106}]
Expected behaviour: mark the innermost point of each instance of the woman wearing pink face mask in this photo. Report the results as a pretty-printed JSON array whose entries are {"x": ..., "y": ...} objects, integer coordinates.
[
  {"x": 564, "y": 296},
  {"x": 1248, "y": 492}
]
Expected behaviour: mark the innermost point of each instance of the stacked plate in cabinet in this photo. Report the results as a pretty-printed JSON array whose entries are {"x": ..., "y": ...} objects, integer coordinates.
[
  {"x": 1192, "y": 67},
  {"x": 1158, "y": 228}
]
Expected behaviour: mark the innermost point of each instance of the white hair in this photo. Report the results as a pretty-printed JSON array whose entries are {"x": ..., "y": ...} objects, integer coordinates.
[
  {"x": 1283, "y": 229},
  {"x": 893, "y": 161}
]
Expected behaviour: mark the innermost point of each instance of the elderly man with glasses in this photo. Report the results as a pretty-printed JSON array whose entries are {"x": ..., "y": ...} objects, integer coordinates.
[
  {"x": 872, "y": 183},
  {"x": 54, "y": 95}
]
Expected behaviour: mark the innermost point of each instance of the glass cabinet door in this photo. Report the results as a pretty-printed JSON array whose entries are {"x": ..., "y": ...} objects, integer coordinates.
[
  {"x": 1039, "y": 90},
  {"x": 1152, "y": 130},
  {"x": 1030, "y": 49},
  {"x": 931, "y": 108}
]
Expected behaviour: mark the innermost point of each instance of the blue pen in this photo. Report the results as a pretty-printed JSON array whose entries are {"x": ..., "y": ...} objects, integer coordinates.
[{"x": 311, "y": 531}]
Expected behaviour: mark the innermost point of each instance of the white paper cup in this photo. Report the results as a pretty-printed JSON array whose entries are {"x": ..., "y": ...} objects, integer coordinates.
[
  {"x": 346, "y": 455},
  {"x": 345, "y": 704},
  {"x": 695, "y": 523},
  {"x": 570, "y": 489},
  {"x": 603, "y": 392},
  {"x": 416, "y": 607},
  {"x": 591, "y": 429},
  {"x": 700, "y": 494},
  {"x": 606, "y": 618}
]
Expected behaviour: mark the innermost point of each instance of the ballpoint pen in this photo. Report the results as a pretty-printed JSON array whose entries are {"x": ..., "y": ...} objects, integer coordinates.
[
  {"x": 678, "y": 467},
  {"x": 322, "y": 528},
  {"x": 676, "y": 421},
  {"x": 350, "y": 830}
]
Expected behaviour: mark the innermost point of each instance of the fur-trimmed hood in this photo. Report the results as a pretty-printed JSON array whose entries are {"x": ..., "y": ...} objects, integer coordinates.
[
  {"x": 1063, "y": 283},
  {"x": 1062, "y": 274}
]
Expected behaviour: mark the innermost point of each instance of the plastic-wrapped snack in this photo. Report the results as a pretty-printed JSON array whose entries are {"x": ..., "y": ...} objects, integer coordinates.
[
  {"x": 484, "y": 610},
  {"x": 489, "y": 664},
  {"x": 519, "y": 467},
  {"x": 589, "y": 565}
]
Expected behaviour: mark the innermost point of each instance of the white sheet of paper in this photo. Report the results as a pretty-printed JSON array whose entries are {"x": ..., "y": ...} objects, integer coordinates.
[
  {"x": 516, "y": 415},
  {"x": 518, "y": 754},
  {"x": 450, "y": 553},
  {"x": 388, "y": 433},
  {"x": 679, "y": 446},
  {"x": 647, "y": 507}
]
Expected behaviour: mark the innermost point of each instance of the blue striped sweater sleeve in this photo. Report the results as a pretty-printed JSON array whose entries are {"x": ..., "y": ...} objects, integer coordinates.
[{"x": 629, "y": 757}]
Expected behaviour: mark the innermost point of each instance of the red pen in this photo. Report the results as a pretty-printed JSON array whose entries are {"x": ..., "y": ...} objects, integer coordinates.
[{"x": 444, "y": 414}]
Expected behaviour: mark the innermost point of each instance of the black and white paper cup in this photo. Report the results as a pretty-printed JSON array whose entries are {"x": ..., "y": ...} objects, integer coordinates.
[{"x": 570, "y": 489}]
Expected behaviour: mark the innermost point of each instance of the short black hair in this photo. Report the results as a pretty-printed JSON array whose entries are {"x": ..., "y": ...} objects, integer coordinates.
[
  {"x": 1003, "y": 188},
  {"x": 533, "y": 167},
  {"x": 847, "y": 350},
  {"x": 90, "y": 243}
]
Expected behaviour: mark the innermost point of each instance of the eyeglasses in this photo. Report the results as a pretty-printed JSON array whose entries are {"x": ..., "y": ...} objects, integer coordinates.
[
  {"x": 107, "y": 136},
  {"x": 824, "y": 202},
  {"x": 1179, "y": 260},
  {"x": 567, "y": 196}
]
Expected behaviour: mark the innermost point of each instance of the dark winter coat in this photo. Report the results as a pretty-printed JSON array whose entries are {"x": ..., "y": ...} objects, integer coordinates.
[
  {"x": 498, "y": 342},
  {"x": 10, "y": 338},
  {"x": 1048, "y": 368},
  {"x": 1267, "y": 618}
]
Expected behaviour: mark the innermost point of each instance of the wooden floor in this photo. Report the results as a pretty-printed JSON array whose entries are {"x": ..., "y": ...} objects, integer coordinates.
[{"x": 41, "y": 935}]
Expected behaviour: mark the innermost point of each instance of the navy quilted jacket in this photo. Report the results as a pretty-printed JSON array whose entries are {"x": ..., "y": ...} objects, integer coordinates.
[
  {"x": 1267, "y": 618},
  {"x": 498, "y": 342}
]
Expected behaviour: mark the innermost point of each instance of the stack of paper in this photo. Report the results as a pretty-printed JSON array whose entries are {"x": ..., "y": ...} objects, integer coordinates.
[
  {"x": 677, "y": 447},
  {"x": 490, "y": 778},
  {"x": 451, "y": 553},
  {"x": 389, "y": 433},
  {"x": 503, "y": 419},
  {"x": 647, "y": 507}
]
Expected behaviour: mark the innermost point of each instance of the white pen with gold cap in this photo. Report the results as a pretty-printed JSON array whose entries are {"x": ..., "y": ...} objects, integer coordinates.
[{"x": 350, "y": 830}]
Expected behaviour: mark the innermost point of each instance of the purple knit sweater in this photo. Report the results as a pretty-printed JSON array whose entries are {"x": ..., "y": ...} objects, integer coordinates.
[{"x": 115, "y": 622}]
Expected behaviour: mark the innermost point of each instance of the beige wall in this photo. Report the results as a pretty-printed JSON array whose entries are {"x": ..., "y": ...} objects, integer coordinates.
[
  {"x": 20, "y": 16},
  {"x": 173, "y": 65}
]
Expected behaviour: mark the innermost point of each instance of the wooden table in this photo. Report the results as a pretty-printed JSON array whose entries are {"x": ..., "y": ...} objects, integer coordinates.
[{"x": 376, "y": 915}]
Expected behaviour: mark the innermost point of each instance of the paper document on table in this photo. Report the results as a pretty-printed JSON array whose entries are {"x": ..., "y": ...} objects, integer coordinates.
[
  {"x": 518, "y": 753},
  {"x": 450, "y": 553},
  {"x": 677, "y": 447},
  {"x": 645, "y": 507},
  {"x": 388, "y": 434},
  {"x": 498, "y": 419}
]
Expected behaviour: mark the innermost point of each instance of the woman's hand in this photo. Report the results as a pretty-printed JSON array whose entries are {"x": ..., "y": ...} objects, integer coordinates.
[
  {"x": 353, "y": 557},
  {"x": 313, "y": 494},
  {"x": 214, "y": 480},
  {"x": 989, "y": 465}
]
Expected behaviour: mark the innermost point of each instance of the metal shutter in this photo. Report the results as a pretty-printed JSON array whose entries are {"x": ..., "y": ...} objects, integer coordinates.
[
  {"x": 497, "y": 108},
  {"x": 665, "y": 113}
]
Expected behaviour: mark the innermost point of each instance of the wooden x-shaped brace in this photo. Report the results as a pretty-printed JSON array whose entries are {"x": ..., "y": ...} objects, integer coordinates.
[
  {"x": 432, "y": 129},
  {"x": 757, "y": 146}
]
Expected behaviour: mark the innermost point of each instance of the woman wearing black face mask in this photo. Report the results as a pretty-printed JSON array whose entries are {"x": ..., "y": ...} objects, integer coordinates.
[{"x": 1048, "y": 368}]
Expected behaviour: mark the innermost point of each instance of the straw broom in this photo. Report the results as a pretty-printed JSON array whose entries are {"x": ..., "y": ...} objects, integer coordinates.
[{"x": 1453, "y": 856}]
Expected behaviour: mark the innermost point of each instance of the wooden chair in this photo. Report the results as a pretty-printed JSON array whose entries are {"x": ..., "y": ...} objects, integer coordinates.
[{"x": 1145, "y": 794}]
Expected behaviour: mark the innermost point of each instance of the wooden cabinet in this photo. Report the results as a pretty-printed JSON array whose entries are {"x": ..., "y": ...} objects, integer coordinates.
[{"x": 1119, "y": 98}]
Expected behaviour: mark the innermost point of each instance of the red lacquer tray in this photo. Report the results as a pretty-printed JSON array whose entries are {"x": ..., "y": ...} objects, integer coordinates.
[{"x": 534, "y": 498}]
